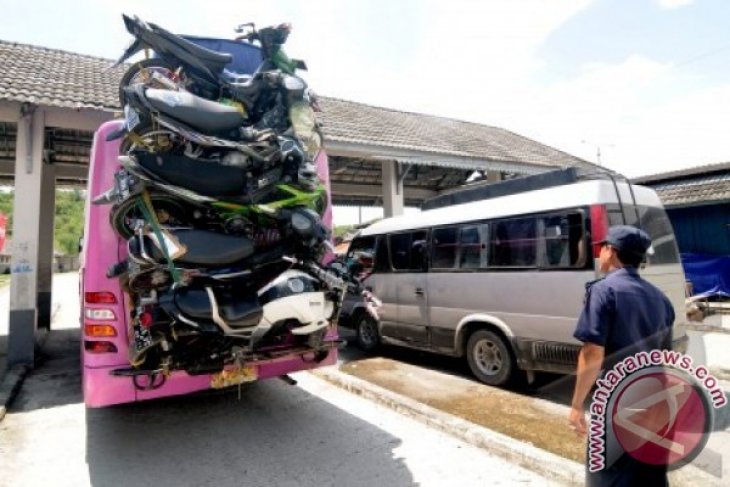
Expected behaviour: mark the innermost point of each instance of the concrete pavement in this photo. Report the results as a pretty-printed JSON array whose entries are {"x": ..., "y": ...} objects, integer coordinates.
[
  {"x": 274, "y": 434},
  {"x": 419, "y": 390}
]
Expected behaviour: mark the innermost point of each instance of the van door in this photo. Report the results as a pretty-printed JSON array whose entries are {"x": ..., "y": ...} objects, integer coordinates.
[{"x": 408, "y": 254}]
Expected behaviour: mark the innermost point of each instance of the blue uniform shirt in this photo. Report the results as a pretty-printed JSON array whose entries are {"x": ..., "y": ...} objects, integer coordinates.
[{"x": 625, "y": 314}]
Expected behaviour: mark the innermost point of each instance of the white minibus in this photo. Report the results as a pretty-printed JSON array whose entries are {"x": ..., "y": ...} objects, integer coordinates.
[{"x": 501, "y": 281}]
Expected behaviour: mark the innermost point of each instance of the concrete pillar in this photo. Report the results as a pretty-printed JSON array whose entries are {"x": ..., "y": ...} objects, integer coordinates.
[
  {"x": 45, "y": 245},
  {"x": 29, "y": 168},
  {"x": 392, "y": 190},
  {"x": 494, "y": 176}
]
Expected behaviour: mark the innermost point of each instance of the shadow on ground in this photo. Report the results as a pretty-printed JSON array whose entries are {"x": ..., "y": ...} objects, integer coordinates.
[
  {"x": 58, "y": 369},
  {"x": 274, "y": 435}
]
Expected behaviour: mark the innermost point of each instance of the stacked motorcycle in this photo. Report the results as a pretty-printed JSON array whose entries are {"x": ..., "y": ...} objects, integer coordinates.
[{"x": 220, "y": 204}]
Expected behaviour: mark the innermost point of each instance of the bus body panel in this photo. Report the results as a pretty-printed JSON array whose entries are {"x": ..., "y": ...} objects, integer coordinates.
[{"x": 100, "y": 249}]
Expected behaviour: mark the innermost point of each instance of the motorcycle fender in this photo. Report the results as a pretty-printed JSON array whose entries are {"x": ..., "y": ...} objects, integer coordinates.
[{"x": 304, "y": 307}]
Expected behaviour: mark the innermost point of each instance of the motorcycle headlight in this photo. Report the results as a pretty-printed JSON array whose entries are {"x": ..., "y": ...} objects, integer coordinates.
[
  {"x": 302, "y": 224},
  {"x": 294, "y": 84}
]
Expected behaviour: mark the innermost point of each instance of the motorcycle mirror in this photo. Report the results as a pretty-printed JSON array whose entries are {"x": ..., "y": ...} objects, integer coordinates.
[
  {"x": 299, "y": 64},
  {"x": 242, "y": 27},
  {"x": 105, "y": 198}
]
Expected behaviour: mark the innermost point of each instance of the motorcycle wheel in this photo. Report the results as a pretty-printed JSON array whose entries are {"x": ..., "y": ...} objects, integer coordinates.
[
  {"x": 141, "y": 73},
  {"x": 170, "y": 212}
]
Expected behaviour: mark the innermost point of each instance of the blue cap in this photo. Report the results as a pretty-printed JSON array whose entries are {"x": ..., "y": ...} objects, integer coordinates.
[{"x": 627, "y": 238}]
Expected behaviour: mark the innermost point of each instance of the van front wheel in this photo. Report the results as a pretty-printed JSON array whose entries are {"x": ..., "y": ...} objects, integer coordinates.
[
  {"x": 489, "y": 358},
  {"x": 368, "y": 337}
]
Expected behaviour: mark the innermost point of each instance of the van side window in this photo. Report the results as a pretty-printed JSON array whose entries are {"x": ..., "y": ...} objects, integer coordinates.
[
  {"x": 408, "y": 251},
  {"x": 513, "y": 243},
  {"x": 362, "y": 250},
  {"x": 562, "y": 240},
  {"x": 473, "y": 247},
  {"x": 382, "y": 261},
  {"x": 444, "y": 248}
]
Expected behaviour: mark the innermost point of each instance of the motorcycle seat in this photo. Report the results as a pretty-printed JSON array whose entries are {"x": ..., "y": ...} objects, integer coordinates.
[
  {"x": 207, "y": 179},
  {"x": 207, "y": 116},
  {"x": 203, "y": 248},
  {"x": 236, "y": 311}
]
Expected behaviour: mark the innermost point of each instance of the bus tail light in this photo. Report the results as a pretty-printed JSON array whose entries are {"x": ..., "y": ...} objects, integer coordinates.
[
  {"x": 599, "y": 227},
  {"x": 101, "y": 297},
  {"x": 101, "y": 314},
  {"x": 98, "y": 331},
  {"x": 99, "y": 347}
]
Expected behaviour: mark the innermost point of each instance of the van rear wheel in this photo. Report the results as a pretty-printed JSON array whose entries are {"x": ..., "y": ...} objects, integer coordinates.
[
  {"x": 368, "y": 337},
  {"x": 489, "y": 358}
]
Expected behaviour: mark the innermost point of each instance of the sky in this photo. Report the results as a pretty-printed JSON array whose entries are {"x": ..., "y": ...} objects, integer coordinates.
[{"x": 641, "y": 86}]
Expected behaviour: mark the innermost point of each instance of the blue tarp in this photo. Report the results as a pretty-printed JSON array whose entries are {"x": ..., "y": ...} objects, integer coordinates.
[
  {"x": 246, "y": 57},
  {"x": 709, "y": 274}
]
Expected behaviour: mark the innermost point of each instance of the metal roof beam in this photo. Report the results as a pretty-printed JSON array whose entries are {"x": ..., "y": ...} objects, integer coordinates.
[
  {"x": 376, "y": 191},
  {"x": 80, "y": 119},
  {"x": 381, "y": 153},
  {"x": 9, "y": 111},
  {"x": 63, "y": 171}
]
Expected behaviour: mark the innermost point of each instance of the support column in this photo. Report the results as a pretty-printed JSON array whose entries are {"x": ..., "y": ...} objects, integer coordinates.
[
  {"x": 45, "y": 245},
  {"x": 392, "y": 190},
  {"x": 29, "y": 168},
  {"x": 494, "y": 176}
]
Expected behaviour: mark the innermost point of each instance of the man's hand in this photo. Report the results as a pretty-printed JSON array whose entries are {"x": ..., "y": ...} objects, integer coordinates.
[
  {"x": 577, "y": 421},
  {"x": 590, "y": 359}
]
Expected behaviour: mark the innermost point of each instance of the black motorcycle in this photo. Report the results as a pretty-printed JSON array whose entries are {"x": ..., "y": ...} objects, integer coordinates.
[{"x": 182, "y": 63}]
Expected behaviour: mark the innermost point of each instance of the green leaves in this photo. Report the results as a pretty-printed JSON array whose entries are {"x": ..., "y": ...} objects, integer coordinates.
[{"x": 68, "y": 222}]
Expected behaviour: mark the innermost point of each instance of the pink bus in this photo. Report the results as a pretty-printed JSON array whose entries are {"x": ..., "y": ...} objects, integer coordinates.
[{"x": 105, "y": 307}]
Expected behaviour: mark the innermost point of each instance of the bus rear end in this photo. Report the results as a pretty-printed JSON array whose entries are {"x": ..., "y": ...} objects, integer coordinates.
[{"x": 105, "y": 308}]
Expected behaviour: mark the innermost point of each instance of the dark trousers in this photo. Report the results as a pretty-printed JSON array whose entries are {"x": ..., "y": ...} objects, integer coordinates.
[{"x": 628, "y": 472}]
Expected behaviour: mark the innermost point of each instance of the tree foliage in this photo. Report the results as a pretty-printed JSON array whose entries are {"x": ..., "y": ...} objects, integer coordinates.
[{"x": 68, "y": 221}]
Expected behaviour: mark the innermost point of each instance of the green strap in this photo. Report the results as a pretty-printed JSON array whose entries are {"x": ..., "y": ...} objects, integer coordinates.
[{"x": 145, "y": 206}]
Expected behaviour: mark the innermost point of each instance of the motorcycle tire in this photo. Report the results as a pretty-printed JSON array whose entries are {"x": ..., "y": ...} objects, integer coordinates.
[
  {"x": 136, "y": 71},
  {"x": 170, "y": 212}
]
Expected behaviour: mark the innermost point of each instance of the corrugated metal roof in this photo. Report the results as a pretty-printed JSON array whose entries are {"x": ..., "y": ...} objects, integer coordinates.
[
  {"x": 695, "y": 186},
  {"x": 59, "y": 78},
  {"x": 682, "y": 173}
]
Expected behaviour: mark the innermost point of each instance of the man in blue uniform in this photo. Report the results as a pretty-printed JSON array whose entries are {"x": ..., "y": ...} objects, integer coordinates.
[{"x": 623, "y": 314}]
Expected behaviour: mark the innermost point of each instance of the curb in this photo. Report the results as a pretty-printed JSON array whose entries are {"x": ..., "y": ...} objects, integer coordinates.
[
  {"x": 11, "y": 386},
  {"x": 549, "y": 465}
]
